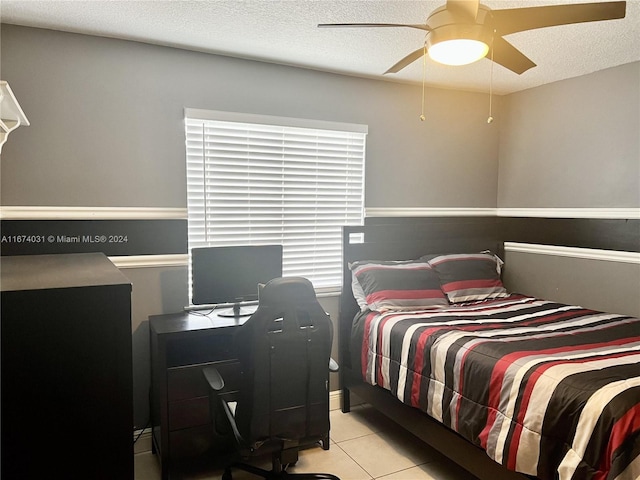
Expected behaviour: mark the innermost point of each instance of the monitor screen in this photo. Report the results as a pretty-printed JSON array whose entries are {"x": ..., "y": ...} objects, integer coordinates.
[{"x": 232, "y": 274}]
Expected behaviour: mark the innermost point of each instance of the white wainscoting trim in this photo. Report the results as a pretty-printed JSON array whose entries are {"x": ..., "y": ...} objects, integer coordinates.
[
  {"x": 574, "y": 252},
  {"x": 91, "y": 213},
  {"x": 429, "y": 212},
  {"x": 146, "y": 261},
  {"x": 611, "y": 213},
  {"x": 148, "y": 213}
]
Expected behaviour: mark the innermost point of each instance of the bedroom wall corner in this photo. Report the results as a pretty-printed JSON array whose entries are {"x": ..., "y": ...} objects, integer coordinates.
[
  {"x": 573, "y": 143},
  {"x": 571, "y": 149}
]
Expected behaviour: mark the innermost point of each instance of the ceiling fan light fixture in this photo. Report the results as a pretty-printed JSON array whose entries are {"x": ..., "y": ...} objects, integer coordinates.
[
  {"x": 459, "y": 51},
  {"x": 458, "y": 43}
]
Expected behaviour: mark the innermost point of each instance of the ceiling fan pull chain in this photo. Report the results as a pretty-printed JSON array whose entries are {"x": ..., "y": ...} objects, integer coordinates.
[
  {"x": 490, "y": 118},
  {"x": 424, "y": 75}
]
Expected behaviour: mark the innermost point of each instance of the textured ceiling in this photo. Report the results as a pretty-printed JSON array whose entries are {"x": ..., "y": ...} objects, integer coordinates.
[{"x": 286, "y": 32}]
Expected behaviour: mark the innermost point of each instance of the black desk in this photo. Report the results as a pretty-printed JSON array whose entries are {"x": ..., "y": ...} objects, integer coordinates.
[{"x": 182, "y": 344}]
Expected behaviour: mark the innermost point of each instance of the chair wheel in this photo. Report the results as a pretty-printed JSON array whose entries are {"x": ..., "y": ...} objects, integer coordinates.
[{"x": 227, "y": 474}]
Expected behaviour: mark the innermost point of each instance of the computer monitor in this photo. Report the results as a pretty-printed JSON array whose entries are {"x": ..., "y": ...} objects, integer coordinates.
[{"x": 230, "y": 275}]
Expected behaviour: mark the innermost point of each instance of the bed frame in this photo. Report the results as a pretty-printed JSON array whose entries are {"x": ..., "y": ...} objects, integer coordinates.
[
  {"x": 409, "y": 238},
  {"x": 405, "y": 242}
]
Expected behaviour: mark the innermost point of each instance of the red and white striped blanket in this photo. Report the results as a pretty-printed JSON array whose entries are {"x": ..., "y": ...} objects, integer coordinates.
[{"x": 547, "y": 389}]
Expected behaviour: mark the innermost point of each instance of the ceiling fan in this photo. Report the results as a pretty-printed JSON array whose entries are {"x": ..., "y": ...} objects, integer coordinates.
[{"x": 464, "y": 31}]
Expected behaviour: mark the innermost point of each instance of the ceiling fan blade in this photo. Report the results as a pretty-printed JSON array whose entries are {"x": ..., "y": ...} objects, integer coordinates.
[
  {"x": 350, "y": 25},
  {"x": 468, "y": 8},
  {"x": 509, "y": 56},
  {"x": 513, "y": 20},
  {"x": 409, "y": 59}
]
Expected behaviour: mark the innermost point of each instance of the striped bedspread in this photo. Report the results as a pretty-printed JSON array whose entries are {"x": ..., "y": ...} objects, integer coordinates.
[{"x": 546, "y": 389}]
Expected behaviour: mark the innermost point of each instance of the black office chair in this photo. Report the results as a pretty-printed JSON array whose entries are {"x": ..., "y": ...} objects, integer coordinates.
[{"x": 282, "y": 403}]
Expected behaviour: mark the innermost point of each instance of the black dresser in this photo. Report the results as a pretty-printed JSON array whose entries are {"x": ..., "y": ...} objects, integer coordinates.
[{"x": 67, "y": 393}]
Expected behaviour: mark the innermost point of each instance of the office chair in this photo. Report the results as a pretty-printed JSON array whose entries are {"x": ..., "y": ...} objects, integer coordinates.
[{"x": 282, "y": 403}]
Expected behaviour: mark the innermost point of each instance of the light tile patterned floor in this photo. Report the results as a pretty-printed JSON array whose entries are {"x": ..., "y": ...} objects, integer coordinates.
[{"x": 365, "y": 445}]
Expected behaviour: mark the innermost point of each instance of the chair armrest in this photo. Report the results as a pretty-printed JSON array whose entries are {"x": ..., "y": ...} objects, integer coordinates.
[
  {"x": 333, "y": 365},
  {"x": 214, "y": 378}
]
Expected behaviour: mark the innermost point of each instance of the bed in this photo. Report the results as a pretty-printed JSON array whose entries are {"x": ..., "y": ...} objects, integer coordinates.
[{"x": 508, "y": 386}]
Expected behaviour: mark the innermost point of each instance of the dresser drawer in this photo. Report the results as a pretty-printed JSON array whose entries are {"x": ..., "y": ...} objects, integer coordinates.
[
  {"x": 198, "y": 441},
  {"x": 189, "y": 413},
  {"x": 190, "y": 442},
  {"x": 203, "y": 349},
  {"x": 188, "y": 382}
]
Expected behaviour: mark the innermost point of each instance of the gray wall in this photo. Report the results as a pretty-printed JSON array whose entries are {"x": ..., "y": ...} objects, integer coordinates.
[
  {"x": 107, "y": 131},
  {"x": 596, "y": 284},
  {"x": 574, "y": 143},
  {"x": 154, "y": 291}
]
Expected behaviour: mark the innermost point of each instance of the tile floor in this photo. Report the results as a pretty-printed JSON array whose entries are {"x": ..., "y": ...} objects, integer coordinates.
[{"x": 365, "y": 445}]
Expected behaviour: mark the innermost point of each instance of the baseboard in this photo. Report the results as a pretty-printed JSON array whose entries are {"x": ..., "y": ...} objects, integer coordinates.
[
  {"x": 335, "y": 400},
  {"x": 143, "y": 444}
]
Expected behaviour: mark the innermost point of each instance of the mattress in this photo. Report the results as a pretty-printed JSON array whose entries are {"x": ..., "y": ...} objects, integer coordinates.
[{"x": 546, "y": 389}]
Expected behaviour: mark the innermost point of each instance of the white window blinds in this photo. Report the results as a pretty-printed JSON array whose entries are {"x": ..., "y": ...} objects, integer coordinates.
[{"x": 257, "y": 180}]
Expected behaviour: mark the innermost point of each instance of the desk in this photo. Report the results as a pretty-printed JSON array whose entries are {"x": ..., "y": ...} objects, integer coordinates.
[{"x": 182, "y": 344}]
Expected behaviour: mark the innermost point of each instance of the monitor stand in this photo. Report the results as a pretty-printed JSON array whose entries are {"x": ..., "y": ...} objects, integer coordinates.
[{"x": 237, "y": 311}]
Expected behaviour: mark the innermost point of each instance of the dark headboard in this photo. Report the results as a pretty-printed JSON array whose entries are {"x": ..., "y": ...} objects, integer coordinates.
[{"x": 620, "y": 234}]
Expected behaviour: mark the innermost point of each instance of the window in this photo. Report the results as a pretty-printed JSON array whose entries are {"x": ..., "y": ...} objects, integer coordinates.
[{"x": 256, "y": 180}]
